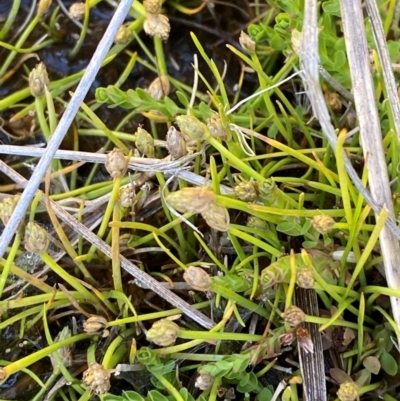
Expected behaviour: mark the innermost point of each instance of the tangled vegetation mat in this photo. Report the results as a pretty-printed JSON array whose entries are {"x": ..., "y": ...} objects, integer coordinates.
[{"x": 199, "y": 199}]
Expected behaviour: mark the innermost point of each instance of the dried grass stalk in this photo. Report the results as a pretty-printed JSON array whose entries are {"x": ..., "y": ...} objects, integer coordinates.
[{"x": 371, "y": 137}]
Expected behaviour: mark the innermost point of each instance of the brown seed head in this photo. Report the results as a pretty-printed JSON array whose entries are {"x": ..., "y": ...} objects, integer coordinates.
[
  {"x": 163, "y": 333},
  {"x": 116, "y": 163},
  {"x": 144, "y": 142},
  {"x": 192, "y": 128},
  {"x": 246, "y": 191},
  {"x": 217, "y": 128},
  {"x": 217, "y": 217},
  {"x": 197, "y": 278},
  {"x": 159, "y": 88},
  {"x": 305, "y": 278},
  {"x": 176, "y": 144},
  {"x": 247, "y": 43},
  {"x": 94, "y": 324},
  {"x": 97, "y": 379},
  {"x": 204, "y": 381},
  {"x": 348, "y": 391},
  {"x": 38, "y": 80},
  {"x": 332, "y": 99},
  {"x": 7, "y": 207},
  {"x": 77, "y": 11},
  {"x": 191, "y": 200},
  {"x": 127, "y": 196},
  {"x": 294, "y": 316},
  {"x": 323, "y": 223},
  {"x": 157, "y": 25},
  {"x": 123, "y": 36},
  {"x": 36, "y": 239},
  {"x": 152, "y": 6}
]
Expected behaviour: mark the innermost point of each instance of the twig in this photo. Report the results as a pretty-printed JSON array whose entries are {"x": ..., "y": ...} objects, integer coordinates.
[
  {"x": 384, "y": 58},
  {"x": 135, "y": 163},
  {"x": 131, "y": 268},
  {"x": 65, "y": 122},
  {"x": 363, "y": 90}
]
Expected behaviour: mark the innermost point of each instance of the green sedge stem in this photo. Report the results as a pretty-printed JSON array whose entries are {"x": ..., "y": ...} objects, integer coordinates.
[
  {"x": 96, "y": 121},
  {"x": 342, "y": 307},
  {"x": 41, "y": 117},
  {"x": 82, "y": 35},
  {"x": 159, "y": 50},
  {"x": 71, "y": 280},
  {"x": 9, "y": 261},
  {"x": 368, "y": 249},
  {"x": 189, "y": 344},
  {"x": 107, "y": 214},
  {"x": 360, "y": 323},
  {"x": 10, "y": 18},
  {"x": 113, "y": 346},
  {"x": 170, "y": 388},
  {"x": 22, "y": 363},
  {"x": 242, "y": 301},
  {"x": 27, "y": 31},
  {"x": 116, "y": 258}
]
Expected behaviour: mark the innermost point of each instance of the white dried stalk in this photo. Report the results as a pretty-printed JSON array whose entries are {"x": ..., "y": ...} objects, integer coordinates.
[
  {"x": 310, "y": 63},
  {"x": 371, "y": 137},
  {"x": 384, "y": 59}
]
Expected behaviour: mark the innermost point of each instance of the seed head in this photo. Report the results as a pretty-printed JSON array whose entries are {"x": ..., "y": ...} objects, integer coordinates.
[
  {"x": 266, "y": 188},
  {"x": 38, "y": 80},
  {"x": 127, "y": 196},
  {"x": 159, "y": 88},
  {"x": 65, "y": 353},
  {"x": 246, "y": 191},
  {"x": 217, "y": 217},
  {"x": 217, "y": 128},
  {"x": 247, "y": 43},
  {"x": 97, "y": 379},
  {"x": 164, "y": 332},
  {"x": 294, "y": 316},
  {"x": 256, "y": 222},
  {"x": 204, "y": 381},
  {"x": 144, "y": 142},
  {"x": 157, "y": 25},
  {"x": 348, "y": 391},
  {"x": 305, "y": 278},
  {"x": 152, "y": 6},
  {"x": 43, "y": 6},
  {"x": 94, "y": 324},
  {"x": 36, "y": 239},
  {"x": 191, "y": 200},
  {"x": 192, "y": 128},
  {"x": 176, "y": 144},
  {"x": 116, "y": 163},
  {"x": 77, "y": 11},
  {"x": 7, "y": 207},
  {"x": 332, "y": 99},
  {"x": 197, "y": 278},
  {"x": 123, "y": 36},
  {"x": 323, "y": 223}
]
